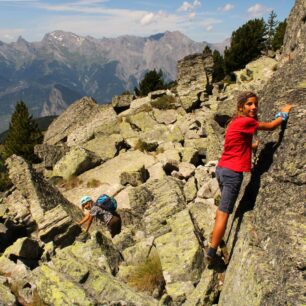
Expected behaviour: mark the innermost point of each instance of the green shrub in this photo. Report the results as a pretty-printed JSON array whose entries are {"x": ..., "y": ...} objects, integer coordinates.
[{"x": 148, "y": 276}]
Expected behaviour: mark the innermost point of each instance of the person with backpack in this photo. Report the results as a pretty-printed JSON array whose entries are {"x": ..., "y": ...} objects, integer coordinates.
[
  {"x": 236, "y": 159},
  {"x": 103, "y": 210}
]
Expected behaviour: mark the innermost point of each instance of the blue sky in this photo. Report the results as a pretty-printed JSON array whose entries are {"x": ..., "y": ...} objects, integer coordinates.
[{"x": 201, "y": 20}]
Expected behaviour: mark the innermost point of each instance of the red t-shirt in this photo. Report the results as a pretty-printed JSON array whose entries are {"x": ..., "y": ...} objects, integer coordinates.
[{"x": 237, "y": 151}]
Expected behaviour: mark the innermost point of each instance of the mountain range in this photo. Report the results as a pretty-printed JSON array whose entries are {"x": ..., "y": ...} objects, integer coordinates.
[{"x": 51, "y": 74}]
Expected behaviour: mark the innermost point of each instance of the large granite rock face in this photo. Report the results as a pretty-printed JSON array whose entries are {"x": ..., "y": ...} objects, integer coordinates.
[
  {"x": 54, "y": 215},
  {"x": 194, "y": 75},
  {"x": 74, "y": 116},
  {"x": 267, "y": 261},
  {"x": 295, "y": 37},
  {"x": 75, "y": 162},
  {"x": 50, "y": 154}
]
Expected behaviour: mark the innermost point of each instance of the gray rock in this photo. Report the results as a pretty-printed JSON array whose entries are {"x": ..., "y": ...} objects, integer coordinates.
[
  {"x": 75, "y": 162},
  {"x": 54, "y": 215},
  {"x": 73, "y": 117},
  {"x": 24, "y": 248},
  {"x": 180, "y": 254},
  {"x": 122, "y": 102},
  {"x": 295, "y": 36},
  {"x": 266, "y": 266},
  {"x": 194, "y": 74},
  {"x": 134, "y": 176},
  {"x": 50, "y": 154}
]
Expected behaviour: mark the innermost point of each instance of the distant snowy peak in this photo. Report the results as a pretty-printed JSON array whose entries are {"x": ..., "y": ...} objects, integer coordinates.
[{"x": 63, "y": 38}]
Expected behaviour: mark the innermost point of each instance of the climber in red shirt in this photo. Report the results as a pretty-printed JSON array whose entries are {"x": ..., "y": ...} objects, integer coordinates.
[{"x": 236, "y": 159}]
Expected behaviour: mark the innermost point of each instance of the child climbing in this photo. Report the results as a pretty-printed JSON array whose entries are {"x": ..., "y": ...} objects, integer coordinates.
[
  {"x": 103, "y": 211},
  {"x": 236, "y": 159}
]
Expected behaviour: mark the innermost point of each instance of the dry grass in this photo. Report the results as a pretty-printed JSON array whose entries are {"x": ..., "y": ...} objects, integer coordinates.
[
  {"x": 70, "y": 183},
  {"x": 148, "y": 276},
  {"x": 93, "y": 183}
]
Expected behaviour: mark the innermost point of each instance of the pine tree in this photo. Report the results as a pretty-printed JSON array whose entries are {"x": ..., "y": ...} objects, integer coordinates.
[
  {"x": 218, "y": 73},
  {"x": 23, "y": 134},
  {"x": 272, "y": 23},
  {"x": 152, "y": 80},
  {"x": 5, "y": 182},
  {"x": 247, "y": 42},
  {"x": 278, "y": 38},
  {"x": 207, "y": 51}
]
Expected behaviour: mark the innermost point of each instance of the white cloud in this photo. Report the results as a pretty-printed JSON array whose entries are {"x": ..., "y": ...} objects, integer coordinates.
[
  {"x": 209, "y": 23},
  {"x": 191, "y": 15},
  {"x": 196, "y": 3},
  {"x": 8, "y": 35},
  {"x": 258, "y": 10},
  {"x": 187, "y": 6},
  {"x": 227, "y": 7},
  {"x": 150, "y": 17}
]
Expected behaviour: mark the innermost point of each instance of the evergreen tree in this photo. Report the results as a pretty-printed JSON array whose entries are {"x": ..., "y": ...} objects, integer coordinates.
[
  {"x": 278, "y": 38},
  {"x": 271, "y": 27},
  {"x": 152, "y": 80},
  {"x": 207, "y": 51},
  {"x": 23, "y": 134},
  {"x": 5, "y": 182},
  {"x": 247, "y": 42},
  {"x": 218, "y": 73}
]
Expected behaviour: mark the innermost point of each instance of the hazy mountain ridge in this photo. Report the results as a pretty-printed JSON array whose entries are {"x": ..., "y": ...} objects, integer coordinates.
[{"x": 51, "y": 74}]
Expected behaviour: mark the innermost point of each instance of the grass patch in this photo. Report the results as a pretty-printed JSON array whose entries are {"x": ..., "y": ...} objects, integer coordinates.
[
  {"x": 93, "y": 183},
  {"x": 148, "y": 276}
]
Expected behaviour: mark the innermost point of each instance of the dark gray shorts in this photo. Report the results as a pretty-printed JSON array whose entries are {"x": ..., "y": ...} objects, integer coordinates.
[{"x": 230, "y": 183}]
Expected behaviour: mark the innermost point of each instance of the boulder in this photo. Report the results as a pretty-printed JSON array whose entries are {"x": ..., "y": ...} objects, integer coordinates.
[
  {"x": 295, "y": 36},
  {"x": 203, "y": 214},
  {"x": 134, "y": 176},
  {"x": 98, "y": 250},
  {"x": 168, "y": 116},
  {"x": 266, "y": 234},
  {"x": 24, "y": 248},
  {"x": 110, "y": 171},
  {"x": 103, "y": 122},
  {"x": 6, "y": 297},
  {"x": 210, "y": 189},
  {"x": 84, "y": 284},
  {"x": 206, "y": 290},
  {"x": 105, "y": 147},
  {"x": 139, "y": 252},
  {"x": 50, "y": 154},
  {"x": 19, "y": 281},
  {"x": 180, "y": 254},
  {"x": 75, "y": 162},
  {"x": 122, "y": 102},
  {"x": 54, "y": 215},
  {"x": 190, "y": 189},
  {"x": 194, "y": 74},
  {"x": 167, "y": 199},
  {"x": 76, "y": 115},
  {"x": 143, "y": 121},
  {"x": 186, "y": 170}
]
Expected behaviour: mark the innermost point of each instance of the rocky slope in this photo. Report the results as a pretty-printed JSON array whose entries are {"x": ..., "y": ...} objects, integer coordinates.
[
  {"x": 51, "y": 74},
  {"x": 161, "y": 152}
]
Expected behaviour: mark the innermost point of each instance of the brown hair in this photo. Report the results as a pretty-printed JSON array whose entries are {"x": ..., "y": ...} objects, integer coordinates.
[{"x": 242, "y": 99}]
